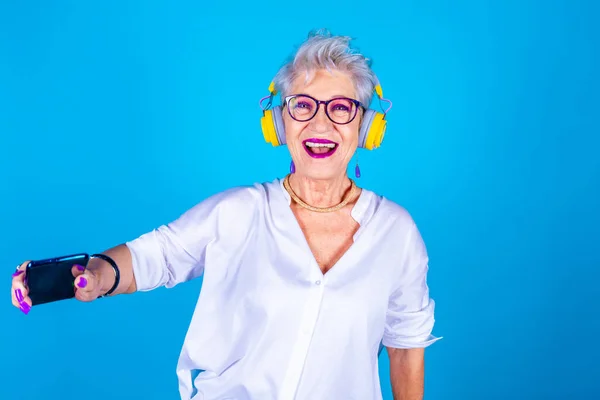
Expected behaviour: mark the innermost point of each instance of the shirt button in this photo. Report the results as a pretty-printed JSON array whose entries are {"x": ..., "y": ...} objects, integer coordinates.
[{"x": 317, "y": 282}]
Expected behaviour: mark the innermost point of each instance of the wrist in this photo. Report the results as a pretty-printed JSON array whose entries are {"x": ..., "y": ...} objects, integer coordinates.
[
  {"x": 115, "y": 269},
  {"x": 104, "y": 273}
]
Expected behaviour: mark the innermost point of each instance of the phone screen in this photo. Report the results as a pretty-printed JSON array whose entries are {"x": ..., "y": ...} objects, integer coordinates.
[{"x": 51, "y": 279}]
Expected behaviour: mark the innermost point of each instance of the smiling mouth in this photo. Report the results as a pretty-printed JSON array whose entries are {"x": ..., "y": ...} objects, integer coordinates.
[{"x": 319, "y": 148}]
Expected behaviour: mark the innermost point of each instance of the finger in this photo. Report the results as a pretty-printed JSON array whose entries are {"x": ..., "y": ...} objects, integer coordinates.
[
  {"x": 19, "y": 274},
  {"x": 77, "y": 270},
  {"x": 81, "y": 280},
  {"x": 86, "y": 286},
  {"x": 19, "y": 291},
  {"x": 21, "y": 301}
]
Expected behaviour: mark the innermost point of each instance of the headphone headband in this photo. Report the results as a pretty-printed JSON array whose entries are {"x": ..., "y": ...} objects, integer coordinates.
[{"x": 272, "y": 89}]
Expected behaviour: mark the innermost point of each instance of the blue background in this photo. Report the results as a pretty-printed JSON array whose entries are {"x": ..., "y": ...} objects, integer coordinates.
[{"x": 116, "y": 117}]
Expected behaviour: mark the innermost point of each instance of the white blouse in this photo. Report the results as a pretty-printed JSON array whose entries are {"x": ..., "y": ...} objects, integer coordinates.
[{"x": 268, "y": 323}]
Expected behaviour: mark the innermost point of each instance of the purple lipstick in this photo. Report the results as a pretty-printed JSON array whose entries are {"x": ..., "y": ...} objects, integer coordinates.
[{"x": 319, "y": 148}]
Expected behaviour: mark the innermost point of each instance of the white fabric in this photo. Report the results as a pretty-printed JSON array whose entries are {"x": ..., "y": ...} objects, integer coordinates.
[{"x": 268, "y": 324}]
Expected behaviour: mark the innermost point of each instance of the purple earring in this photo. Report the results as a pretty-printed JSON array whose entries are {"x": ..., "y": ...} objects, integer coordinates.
[
  {"x": 357, "y": 170},
  {"x": 292, "y": 167}
]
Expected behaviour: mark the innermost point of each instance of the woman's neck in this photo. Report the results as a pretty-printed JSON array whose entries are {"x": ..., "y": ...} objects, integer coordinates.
[{"x": 320, "y": 192}]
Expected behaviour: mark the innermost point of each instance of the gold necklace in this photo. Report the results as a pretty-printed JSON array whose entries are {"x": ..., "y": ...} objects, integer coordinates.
[{"x": 288, "y": 188}]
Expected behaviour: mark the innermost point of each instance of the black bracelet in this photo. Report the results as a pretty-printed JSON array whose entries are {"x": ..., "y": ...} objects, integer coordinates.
[{"x": 115, "y": 268}]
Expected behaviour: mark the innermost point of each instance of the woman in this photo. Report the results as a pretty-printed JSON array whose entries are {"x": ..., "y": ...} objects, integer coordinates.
[{"x": 303, "y": 278}]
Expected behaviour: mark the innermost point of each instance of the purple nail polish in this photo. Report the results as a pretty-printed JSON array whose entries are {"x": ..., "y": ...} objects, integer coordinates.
[
  {"x": 19, "y": 295},
  {"x": 18, "y": 273},
  {"x": 25, "y": 308},
  {"x": 82, "y": 282},
  {"x": 80, "y": 267}
]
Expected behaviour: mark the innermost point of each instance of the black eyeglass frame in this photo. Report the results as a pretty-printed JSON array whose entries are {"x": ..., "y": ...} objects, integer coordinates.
[{"x": 357, "y": 103}]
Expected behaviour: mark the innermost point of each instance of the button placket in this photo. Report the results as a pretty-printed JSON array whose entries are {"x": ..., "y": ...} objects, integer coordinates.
[{"x": 300, "y": 349}]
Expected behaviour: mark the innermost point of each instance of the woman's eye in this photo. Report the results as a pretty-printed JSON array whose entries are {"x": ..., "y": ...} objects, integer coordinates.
[{"x": 340, "y": 107}]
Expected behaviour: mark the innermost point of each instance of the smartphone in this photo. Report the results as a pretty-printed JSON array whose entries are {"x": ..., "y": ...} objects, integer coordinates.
[{"x": 51, "y": 279}]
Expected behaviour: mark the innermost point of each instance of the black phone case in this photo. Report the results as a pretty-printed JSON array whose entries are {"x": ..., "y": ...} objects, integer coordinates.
[{"x": 52, "y": 280}]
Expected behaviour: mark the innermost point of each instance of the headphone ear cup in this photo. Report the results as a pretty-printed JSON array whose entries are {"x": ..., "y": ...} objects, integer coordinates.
[
  {"x": 272, "y": 126},
  {"x": 365, "y": 126},
  {"x": 267, "y": 126},
  {"x": 279, "y": 126},
  {"x": 377, "y": 131},
  {"x": 372, "y": 130}
]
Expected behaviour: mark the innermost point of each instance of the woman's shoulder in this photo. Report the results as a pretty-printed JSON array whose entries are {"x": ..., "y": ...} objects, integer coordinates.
[
  {"x": 391, "y": 220},
  {"x": 243, "y": 196},
  {"x": 386, "y": 207}
]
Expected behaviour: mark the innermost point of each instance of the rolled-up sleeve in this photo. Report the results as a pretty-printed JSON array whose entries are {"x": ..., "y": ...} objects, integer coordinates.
[
  {"x": 410, "y": 316},
  {"x": 159, "y": 258},
  {"x": 175, "y": 252}
]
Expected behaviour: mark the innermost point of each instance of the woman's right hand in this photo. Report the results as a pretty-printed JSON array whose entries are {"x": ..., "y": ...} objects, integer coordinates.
[{"x": 86, "y": 286}]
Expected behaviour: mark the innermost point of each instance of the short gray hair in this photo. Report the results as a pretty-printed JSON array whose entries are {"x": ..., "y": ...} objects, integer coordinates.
[{"x": 322, "y": 50}]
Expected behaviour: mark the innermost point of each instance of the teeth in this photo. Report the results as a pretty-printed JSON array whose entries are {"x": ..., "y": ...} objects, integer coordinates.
[{"x": 312, "y": 144}]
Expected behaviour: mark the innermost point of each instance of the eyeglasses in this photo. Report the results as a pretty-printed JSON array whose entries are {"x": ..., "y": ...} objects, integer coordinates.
[{"x": 339, "y": 110}]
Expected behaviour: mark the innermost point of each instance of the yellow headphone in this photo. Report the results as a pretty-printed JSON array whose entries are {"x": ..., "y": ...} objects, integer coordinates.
[{"x": 371, "y": 133}]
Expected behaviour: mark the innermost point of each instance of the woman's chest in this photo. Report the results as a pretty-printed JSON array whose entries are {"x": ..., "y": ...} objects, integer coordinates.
[
  {"x": 329, "y": 237},
  {"x": 283, "y": 262}
]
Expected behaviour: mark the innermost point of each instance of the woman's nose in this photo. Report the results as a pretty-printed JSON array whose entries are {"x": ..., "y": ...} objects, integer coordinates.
[{"x": 321, "y": 121}]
